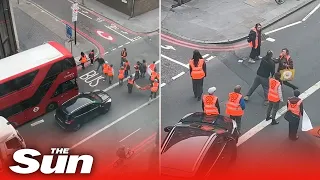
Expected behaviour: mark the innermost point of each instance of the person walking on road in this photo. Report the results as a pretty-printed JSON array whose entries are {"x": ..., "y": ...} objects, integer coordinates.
[
  {"x": 121, "y": 76},
  {"x": 137, "y": 70},
  {"x": 126, "y": 66},
  {"x": 105, "y": 69},
  {"x": 294, "y": 114},
  {"x": 198, "y": 72},
  {"x": 285, "y": 62},
  {"x": 235, "y": 106},
  {"x": 124, "y": 55},
  {"x": 265, "y": 70},
  {"x": 154, "y": 87},
  {"x": 143, "y": 68},
  {"x": 254, "y": 40},
  {"x": 130, "y": 84},
  {"x": 210, "y": 103},
  {"x": 154, "y": 75},
  {"x": 91, "y": 57},
  {"x": 110, "y": 73},
  {"x": 83, "y": 60},
  {"x": 274, "y": 97},
  {"x": 100, "y": 63}
]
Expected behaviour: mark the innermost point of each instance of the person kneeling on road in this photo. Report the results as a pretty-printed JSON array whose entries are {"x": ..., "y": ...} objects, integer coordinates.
[
  {"x": 274, "y": 97},
  {"x": 210, "y": 103},
  {"x": 130, "y": 84}
]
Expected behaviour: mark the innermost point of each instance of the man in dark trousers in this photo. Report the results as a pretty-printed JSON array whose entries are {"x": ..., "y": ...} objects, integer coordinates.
[
  {"x": 198, "y": 72},
  {"x": 91, "y": 56},
  {"x": 143, "y": 68},
  {"x": 265, "y": 70},
  {"x": 294, "y": 114},
  {"x": 101, "y": 62},
  {"x": 130, "y": 84},
  {"x": 254, "y": 40},
  {"x": 285, "y": 62},
  {"x": 274, "y": 97}
]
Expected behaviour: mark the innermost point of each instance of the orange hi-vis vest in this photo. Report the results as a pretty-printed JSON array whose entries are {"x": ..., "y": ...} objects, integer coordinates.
[
  {"x": 110, "y": 71},
  {"x": 154, "y": 75},
  {"x": 123, "y": 54},
  {"x": 152, "y": 67},
  {"x": 130, "y": 81},
  {"x": 197, "y": 72},
  {"x": 155, "y": 87},
  {"x": 233, "y": 107},
  {"x": 105, "y": 68},
  {"x": 273, "y": 94},
  {"x": 209, "y": 102},
  {"x": 121, "y": 74},
  {"x": 295, "y": 108},
  {"x": 83, "y": 59},
  {"x": 256, "y": 41},
  {"x": 126, "y": 65}
]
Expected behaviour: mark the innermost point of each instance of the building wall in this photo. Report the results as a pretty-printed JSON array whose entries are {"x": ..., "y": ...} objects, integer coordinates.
[
  {"x": 8, "y": 45},
  {"x": 143, "y": 6}
]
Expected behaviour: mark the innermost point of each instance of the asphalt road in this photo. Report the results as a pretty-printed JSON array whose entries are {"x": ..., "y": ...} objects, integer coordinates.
[
  {"x": 130, "y": 122},
  {"x": 270, "y": 145}
]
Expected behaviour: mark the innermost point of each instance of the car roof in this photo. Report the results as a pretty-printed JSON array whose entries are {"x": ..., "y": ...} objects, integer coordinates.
[
  {"x": 76, "y": 102},
  {"x": 185, "y": 147},
  {"x": 6, "y": 129}
]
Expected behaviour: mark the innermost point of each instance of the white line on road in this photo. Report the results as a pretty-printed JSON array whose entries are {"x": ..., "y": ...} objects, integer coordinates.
[
  {"x": 177, "y": 76},
  {"x": 206, "y": 55},
  {"x": 120, "y": 46},
  {"x": 106, "y": 53},
  {"x": 270, "y": 39},
  {"x": 281, "y": 112},
  {"x": 129, "y": 135},
  {"x": 163, "y": 84},
  {"x": 114, "y": 49},
  {"x": 175, "y": 61},
  {"x": 289, "y": 25},
  {"x": 85, "y": 15},
  {"x": 128, "y": 42},
  {"x": 37, "y": 122},
  {"x": 113, "y": 123},
  {"x": 118, "y": 33},
  {"x": 116, "y": 84},
  {"x": 210, "y": 58},
  {"x": 313, "y": 11}
]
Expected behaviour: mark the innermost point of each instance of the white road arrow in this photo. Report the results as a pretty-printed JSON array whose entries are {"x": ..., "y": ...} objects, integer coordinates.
[
  {"x": 306, "y": 122},
  {"x": 168, "y": 47},
  {"x": 103, "y": 34}
]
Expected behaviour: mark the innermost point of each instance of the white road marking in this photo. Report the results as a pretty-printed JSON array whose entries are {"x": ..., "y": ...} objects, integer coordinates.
[
  {"x": 306, "y": 122},
  {"x": 120, "y": 46},
  {"x": 124, "y": 32},
  {"x": 206, "y": 55},
  {"x": 85, "y": 15},
  {"x": 37, "y": 122},
  {"x": 175, "y": 61},
  {"x": 240, "y": 61},
  {"x": 118, "y": 33},
  {"x": 106, "y": 53},
  {"x": 177, "y": 76},
  {"x": 163, "y": 84},
  {"x": 313, "y": 11},
  {"x": 167, "y": 47},
  {"x": 210, "y": 58},
  {"x": 270, "y": 39},
  {"x": 117, "y": 83},
  {"x": 114, "y": 49},
  {"x": 129, "y": 135},
  {"x": 128, "y": 42},
  {"x": 284, "y": 27},
  {"x": 113, "y": 123},
  {"x": 281, "y": 112}
]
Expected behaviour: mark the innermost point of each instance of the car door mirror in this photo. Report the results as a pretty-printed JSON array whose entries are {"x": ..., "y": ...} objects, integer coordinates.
[{"x": 168, "y": 128}]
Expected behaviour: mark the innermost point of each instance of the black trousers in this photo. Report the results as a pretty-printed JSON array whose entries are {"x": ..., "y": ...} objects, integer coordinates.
[
  {"x": 153, "y": 95},
  {"x": 255, "y": 53},
  {"x": 136, "y": 75},
  {"x": 238, "y": 121},
  {"x": 130, "y": 86},
  {"x": 82, "y": 64},
  {"x": 197, "y": 85},
  {"x": 290, "y": 85},
  {"x": 293, "y": 127}
]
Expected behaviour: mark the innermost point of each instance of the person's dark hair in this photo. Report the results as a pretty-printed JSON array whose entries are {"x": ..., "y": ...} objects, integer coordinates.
[
  {"x": 143, "y": 61},
  {"x": 287, "y": 50},
  {"x": 196, "y": 57},
  {"x": 82, "y": 54},
  {"x": 277, "y": 76},
  {"x": 296, "y": 93},
  {"x": 258, "y": 24},
  {"x": 269, "y": 55}
]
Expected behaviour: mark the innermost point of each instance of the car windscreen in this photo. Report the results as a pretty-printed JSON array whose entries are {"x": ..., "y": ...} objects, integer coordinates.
[{"x": 94, "y": 97}]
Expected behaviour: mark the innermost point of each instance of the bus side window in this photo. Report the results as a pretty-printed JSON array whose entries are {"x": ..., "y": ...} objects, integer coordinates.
[
  {"x": 15, "y": 109},
  {"x": 68, "y": 64},
  {"x": 66, "y": 86},
  {"x": 55, "y": 69}
]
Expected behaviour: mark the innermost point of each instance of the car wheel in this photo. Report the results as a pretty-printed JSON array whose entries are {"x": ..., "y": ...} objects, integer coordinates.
[
  {"x": 78, "y": 126},
  {"x": 52, "y": 106},
  {"x": 106, "y": 109}
]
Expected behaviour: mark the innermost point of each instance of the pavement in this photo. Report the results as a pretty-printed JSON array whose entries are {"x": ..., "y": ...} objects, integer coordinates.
[
  {"x": 261, "y": 147},
  {"x": 132, "y": 121},
  {"x": 222, "y": 21}
]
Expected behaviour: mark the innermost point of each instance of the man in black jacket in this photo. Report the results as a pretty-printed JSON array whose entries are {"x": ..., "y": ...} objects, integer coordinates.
[
  {"x": 101, "y": 61},
  {"x": 265, "y": 70}
]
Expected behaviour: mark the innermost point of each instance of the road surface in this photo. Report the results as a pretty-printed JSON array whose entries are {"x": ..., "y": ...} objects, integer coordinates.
[
  {"x": 260, "y": 145},
  {"x": 130, "y": 122}
]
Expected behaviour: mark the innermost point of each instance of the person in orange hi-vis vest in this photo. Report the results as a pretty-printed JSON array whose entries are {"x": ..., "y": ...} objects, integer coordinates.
[
  {"x": 121, "y": 76},
  {"x": 105, "y": 69},
  {"x": 210, "y": 103},
  {"x": 198, "y": 72},
  {"x": 83, "y": 60},
  {"x": 124, "y": 55},
  {"x": 294, "y": 114},
  {"x": 254, "y": 40},
  {"x": 154, "y": 87},
  {"x": 130, "y": 84},
  {"x": 274, "y": 97},
  {"x": 126, "y": 66},
  {"x": 152, "y": 66},
  {"x": 110, "y": 73},
  {"x": 235, "y": 106},
  {"x": 137, "y": 70},
  {"x": 154, "y": 75}
]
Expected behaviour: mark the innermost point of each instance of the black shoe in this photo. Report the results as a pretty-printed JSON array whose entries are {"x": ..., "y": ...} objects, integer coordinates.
[
  {"x": 268, "y": 118},
  {"x": 199, "y": 98},
  {"x": 274, "y": 122}
]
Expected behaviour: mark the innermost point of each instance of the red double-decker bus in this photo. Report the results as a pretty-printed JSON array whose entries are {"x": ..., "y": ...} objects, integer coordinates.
[{"x": 36, "y": 81}]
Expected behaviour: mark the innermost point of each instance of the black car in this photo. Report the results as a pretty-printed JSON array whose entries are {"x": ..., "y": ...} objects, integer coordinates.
[
  {"x": 199, "y": 146},
  {"x": 82, "y": 108}
]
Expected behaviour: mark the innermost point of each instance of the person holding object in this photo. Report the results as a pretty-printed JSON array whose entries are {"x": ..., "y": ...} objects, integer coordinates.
[
  {"x": 294, "y": 114},
  {"x": 198, "y": 72},
  {"x": 210, "y": 103},
  {"x": 274, "y": 97},
  {"x": 265, "y": 70},
  {"x": 254, "y": 40},
  {"x": 285, "y": 62}
]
